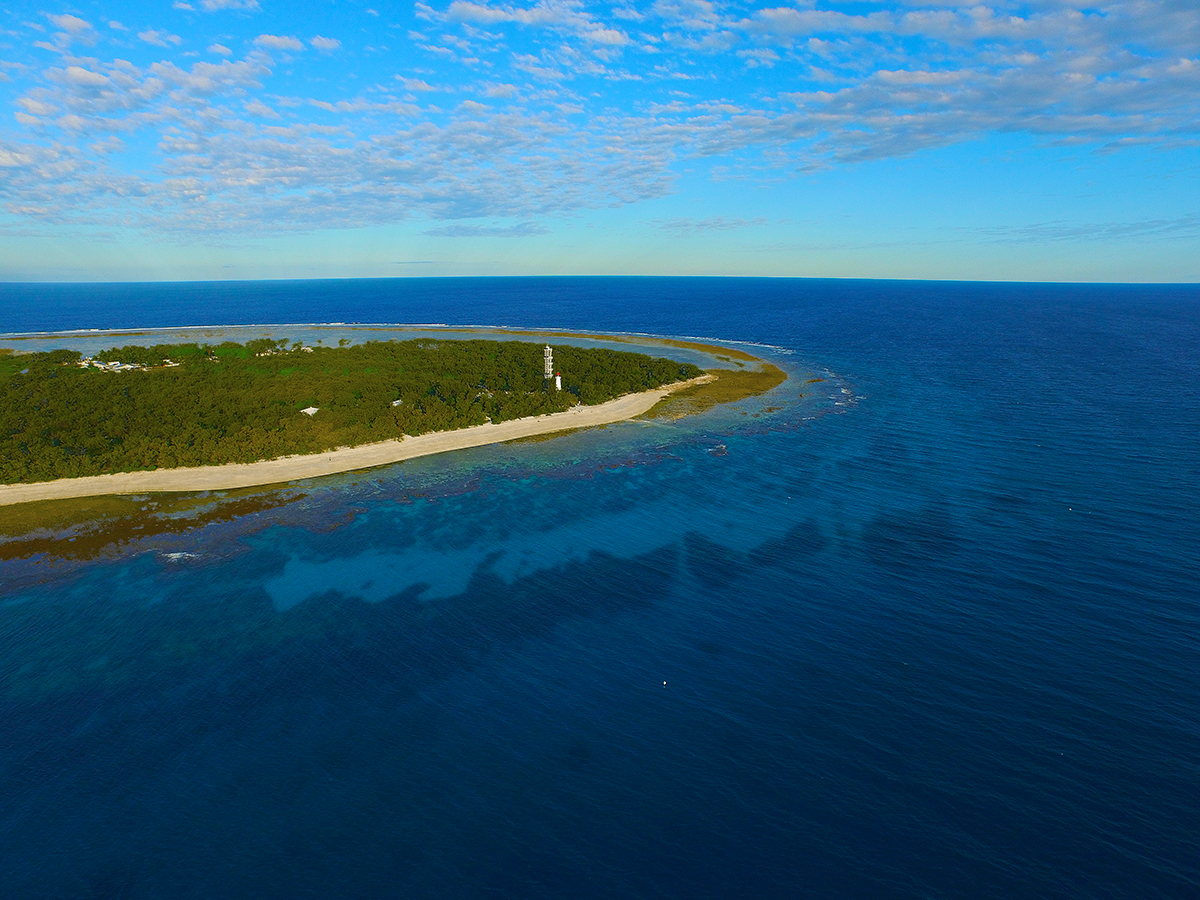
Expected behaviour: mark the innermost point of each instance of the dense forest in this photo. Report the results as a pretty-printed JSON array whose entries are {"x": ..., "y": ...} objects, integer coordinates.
[{"x": 240, "y": 403}]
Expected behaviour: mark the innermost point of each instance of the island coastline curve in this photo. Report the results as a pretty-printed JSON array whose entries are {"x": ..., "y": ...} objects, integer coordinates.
[{"x": 299, "y": 467}]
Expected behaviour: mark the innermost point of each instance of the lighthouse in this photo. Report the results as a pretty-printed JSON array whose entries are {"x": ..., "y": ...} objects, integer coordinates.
[{"x": 550, "y": 373}]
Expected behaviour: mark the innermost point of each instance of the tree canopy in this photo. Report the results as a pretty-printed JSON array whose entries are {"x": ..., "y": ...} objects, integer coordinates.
[{"x": 242, "y": 403}]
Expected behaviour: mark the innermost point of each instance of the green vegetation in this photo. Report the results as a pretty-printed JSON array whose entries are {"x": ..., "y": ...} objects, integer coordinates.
[
  {"x": 728, "y": 386},
  {"x": 242, "y": 403},
  {"x": 91, "y": 527}
]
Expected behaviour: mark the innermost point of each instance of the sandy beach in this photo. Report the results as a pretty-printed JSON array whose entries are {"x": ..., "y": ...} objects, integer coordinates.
[{"x": 331, "y": 462}]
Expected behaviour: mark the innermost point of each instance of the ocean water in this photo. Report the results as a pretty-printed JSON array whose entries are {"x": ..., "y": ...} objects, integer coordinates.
[{"x": 926, "y": 628}]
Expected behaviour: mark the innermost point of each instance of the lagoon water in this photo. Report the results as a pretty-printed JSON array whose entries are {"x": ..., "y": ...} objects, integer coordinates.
[{"x": 926, "y": 628}]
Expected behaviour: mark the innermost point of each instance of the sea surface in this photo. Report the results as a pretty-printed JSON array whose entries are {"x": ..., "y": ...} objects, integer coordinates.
[{"x": 924, "y": 622}]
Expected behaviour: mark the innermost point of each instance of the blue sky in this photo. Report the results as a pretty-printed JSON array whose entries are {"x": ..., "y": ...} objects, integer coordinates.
[{"x": 1046, "y": 140}]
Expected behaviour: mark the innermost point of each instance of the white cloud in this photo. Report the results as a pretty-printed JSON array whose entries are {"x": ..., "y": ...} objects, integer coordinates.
[
  {"x": 360, "y": 105},
  {"x": 524, "y": 229},
  {"x": 843, "y": 88},
  {"x": 686, "y": 227},
  {"x": 36, "y": 107},
  {"x": 159, "y": 38},
  {"x": 690, "y": 15},
  {"x": 85, "y": 77},
  {"x": 70, "y": 24},
  {"x": 326, "y": 45},
  {"x": 532, "y": 65},
  {"x": 561, "y": 15},
  {"x": 276, "y": 42},
  {"x": 207, "y": 79},
  {"x": 110, "y": 144},
  {"x": 221, "y": 172},
  {"x": 1042, "y": 232},
  {"x": 117, "y": 26},
  {"x": 463, "y": 11},
  {"x": 72, "y": 122},
  {"x": 10, "y": 158},
  {"x": 759, "y": 56},
  {"x": 258, "y": 108},
  {"x": 444, "y": 52},
  {"x": 416, "y": 85},
  {"x": 214, "y": 5},
  {"x": 71, "y": 29}
]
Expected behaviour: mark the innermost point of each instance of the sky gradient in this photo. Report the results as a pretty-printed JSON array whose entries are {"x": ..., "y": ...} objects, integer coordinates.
[{"x": 1047, "y": 141}]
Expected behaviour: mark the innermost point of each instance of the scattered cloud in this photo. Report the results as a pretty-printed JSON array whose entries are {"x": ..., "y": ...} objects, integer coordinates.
[
  {"x": 205, "y": 79},
  {"x": 81, "y": 77},
  {"x": 215, "y": 5},
  {"x": 415, "y": 85},
  {"x": 565, "y": 16},
  {"x": 524, "y": 229},
  {"x": 260, "y": 109},
  {"x": 561, "y": 105},
  {"x": 159, "y": 38},
  {"x": 70, "y": 24},
  {"x": 72, "y": 29},
  {"x": 1043, "y": 232},
  {"x": 36, "y": 107},
  {"x": 759, "y": 56},
  {"x": 685, "y": 227},
  {"x": 110, "y": 144},
  {"x": 326, "y": 45},
  {"x": 277, "y": 42}
]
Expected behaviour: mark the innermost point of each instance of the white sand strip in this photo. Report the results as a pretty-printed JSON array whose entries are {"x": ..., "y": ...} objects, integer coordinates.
[{"x": 348, "y": 459}]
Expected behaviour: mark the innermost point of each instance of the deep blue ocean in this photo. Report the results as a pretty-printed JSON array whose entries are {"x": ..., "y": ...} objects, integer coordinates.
[{"x": 926, "y": 628}]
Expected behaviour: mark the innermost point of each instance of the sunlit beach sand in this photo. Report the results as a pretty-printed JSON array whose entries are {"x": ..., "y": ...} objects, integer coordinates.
[{"x": 346, "y": 459}]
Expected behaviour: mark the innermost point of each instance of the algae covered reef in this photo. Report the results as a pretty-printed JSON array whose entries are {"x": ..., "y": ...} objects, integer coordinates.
[{"x": 727, "y": 386}]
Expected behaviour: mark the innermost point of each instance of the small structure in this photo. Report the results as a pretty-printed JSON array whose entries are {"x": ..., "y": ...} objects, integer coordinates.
[
  {"x": 310, "y": 410},
  {"x": 548, "y": 355}
]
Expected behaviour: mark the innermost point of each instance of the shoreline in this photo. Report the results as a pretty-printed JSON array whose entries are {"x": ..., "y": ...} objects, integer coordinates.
[{"x": 345, "y": 459}]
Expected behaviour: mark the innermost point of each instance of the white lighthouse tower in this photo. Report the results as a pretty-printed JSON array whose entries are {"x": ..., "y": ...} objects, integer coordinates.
[{"x": 550, "y": 373}]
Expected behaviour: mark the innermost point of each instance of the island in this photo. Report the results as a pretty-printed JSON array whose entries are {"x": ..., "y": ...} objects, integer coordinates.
[{"x": 191, "y": 417}]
